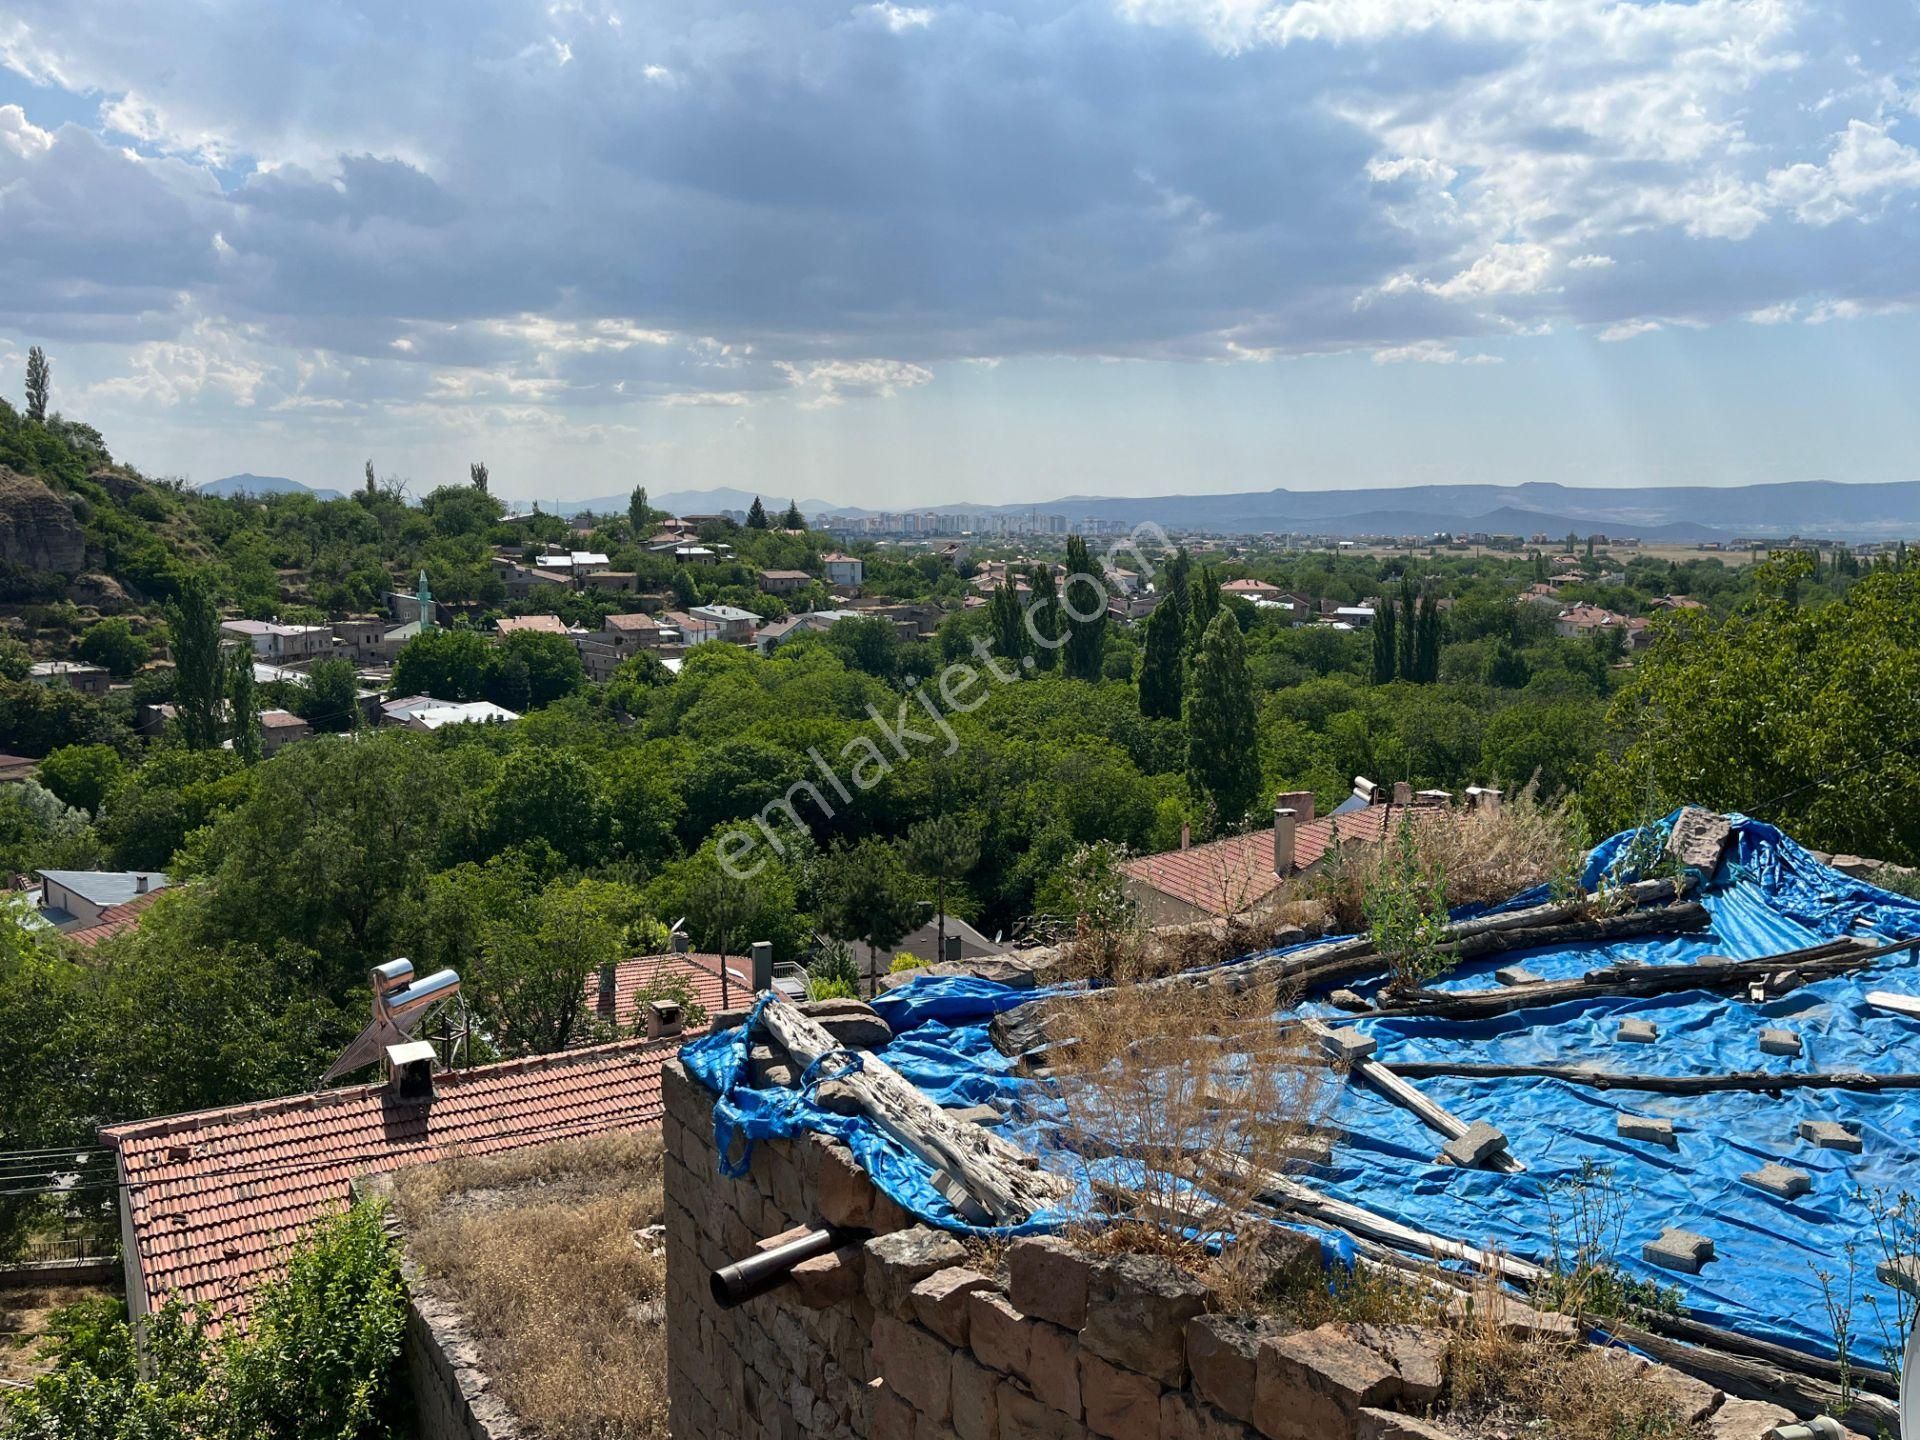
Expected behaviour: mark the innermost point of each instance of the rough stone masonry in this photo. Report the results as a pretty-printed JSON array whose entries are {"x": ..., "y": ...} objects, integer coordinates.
[{"x": 904, "y": 1337}]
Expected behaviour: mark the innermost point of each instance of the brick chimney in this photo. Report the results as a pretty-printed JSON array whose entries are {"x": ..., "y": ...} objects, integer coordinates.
[
  {"x": 1284, "y": 836},
  {"x": 604, "y": 1000},
  {"x": 1300, "y": 802},
  {"x": 1402, "y": 793}
]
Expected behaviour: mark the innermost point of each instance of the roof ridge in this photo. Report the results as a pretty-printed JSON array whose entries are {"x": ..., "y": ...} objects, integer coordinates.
[{"x": 221, "y": 1116}]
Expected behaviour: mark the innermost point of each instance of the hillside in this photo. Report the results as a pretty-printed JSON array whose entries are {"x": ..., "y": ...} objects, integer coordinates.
[{"x": 247, "y": 483}]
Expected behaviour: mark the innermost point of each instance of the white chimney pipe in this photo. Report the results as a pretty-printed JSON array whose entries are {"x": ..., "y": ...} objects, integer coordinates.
[{"x": 1284, "y": 835}]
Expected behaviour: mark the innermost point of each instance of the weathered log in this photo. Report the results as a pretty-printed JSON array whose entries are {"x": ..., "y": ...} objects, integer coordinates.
[
  {"x": 1760, "y": 1081},
  {"x": 1027, "y": 1028},
  {"x": 1635, "y": 980},
  {"x": 1005, "y": 1181},
  {"x": 1751, "y": 1379},
  {"x": 1430, "y": 1112}
]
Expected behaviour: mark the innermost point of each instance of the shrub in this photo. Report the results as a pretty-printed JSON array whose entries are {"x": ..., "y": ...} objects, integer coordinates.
[{"x": 906, "y": 961}]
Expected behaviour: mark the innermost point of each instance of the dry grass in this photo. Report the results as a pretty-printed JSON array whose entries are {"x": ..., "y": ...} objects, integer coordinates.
[
  {"x": 1484, "y": 857},
  {"x": 24, "y": 1313},
  {"x": 542, "y": 1251},
  {"x": 1182, "y": 1099},
  {"x": 1503, "y": 1386}
]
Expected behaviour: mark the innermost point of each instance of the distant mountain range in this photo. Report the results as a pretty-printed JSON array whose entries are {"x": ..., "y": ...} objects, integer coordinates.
[
  {"x": 246, "y": 484},
  {"x": 1813, "y": 508}
]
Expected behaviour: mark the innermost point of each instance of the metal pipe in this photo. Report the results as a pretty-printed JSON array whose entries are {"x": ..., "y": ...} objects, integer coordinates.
[{"x": 766, "y": 1270}]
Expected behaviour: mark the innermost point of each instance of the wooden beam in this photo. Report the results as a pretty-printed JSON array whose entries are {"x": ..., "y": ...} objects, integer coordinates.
[
  {"x": 1004, "y": 1180},
  {"x": 1760, "y": 1081}
]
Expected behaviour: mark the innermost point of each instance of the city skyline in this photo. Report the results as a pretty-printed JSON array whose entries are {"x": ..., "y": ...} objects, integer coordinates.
[{"x": 897, "y": 256}]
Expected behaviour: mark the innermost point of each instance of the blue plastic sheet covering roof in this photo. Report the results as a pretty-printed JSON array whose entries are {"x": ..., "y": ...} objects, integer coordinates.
[{"x": 1769, "y": 896}]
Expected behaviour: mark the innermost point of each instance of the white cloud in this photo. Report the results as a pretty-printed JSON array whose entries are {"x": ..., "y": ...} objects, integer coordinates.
[
  {"x": 826, "y": 383},
  {"x": 1590, "y": 262},
  {"x": 1429, "y": 352},
  {"x": 898, "y": 18},
  {"x": 21, "y": 135},
  {"x": 1773, "y": 314},
  {"x": 1628, "y": 330},
  {"x": 1866, "y": 164}
]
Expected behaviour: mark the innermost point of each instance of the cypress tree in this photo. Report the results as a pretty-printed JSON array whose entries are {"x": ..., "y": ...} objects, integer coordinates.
[
  {"x": 1161, "y": 664},
  {"x": 1086, "y": 639},
  {"x": 1429, "y": 641},
  {"x": 1205, "y": 604},
  {"x": 1179, "y": 572},
  {"x": 1223, "y": 763}
]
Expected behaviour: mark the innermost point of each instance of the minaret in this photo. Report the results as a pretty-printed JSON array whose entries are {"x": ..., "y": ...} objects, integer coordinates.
[{"x": 425, "y": 596}]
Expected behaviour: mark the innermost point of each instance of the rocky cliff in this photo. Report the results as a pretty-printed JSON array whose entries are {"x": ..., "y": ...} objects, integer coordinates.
[{"x": 37, "y": 530}]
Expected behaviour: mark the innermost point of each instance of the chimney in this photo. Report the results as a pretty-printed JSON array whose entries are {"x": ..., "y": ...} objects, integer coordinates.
[
  {"x": 1283, "y": 841},
  {"x": 604, "y": 1002},
  {"x": 140, "y": 884},
  {"x": 952, "y": 956},
  {"x": 1402, "y": 793},
  {"x": 1483, "y": 797},
  {"x": 678, "y": 941},
  {"x": 1186, "y": 836},
  {"x": 1441, "y": 798},
  {"x": 664, "y": 1018},
  {"x": 762, "y": 966},
  {"x": 1300, "y": 802}
]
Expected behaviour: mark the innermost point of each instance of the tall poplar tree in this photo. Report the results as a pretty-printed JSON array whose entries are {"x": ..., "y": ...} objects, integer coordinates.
[
  {"x": 1408, "y": 636},
  {"x": 243, "y": 704},
  {"x": 1005, "y": 622},
  {"x": 1385, "y": 648},
  {"x": 1048, "y": 621},
  {"x": 1087, "y": 639},
  {"x": 1162, "y": 664},
  {"x": 39, "y": 383},
  {"x": 199, "y": 686},
  {"x": 1223, "y": 762}
]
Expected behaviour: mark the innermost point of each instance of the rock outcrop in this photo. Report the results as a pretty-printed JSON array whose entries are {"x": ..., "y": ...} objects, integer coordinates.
[{"x": 37, "y": 530}]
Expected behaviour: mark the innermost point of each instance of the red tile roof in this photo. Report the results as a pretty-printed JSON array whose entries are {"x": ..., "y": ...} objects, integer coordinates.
[
  {"x": 701, "y": 968},
  {"x": 114, "y": 919},
  {"x": 1225, "y": 876},
  {"x": 534, "y": 624},
  {"x": 215, "y": 1198}
]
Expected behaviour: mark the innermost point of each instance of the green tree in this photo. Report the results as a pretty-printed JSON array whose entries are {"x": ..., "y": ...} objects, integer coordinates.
[
  {"x": 550, "y": 795},
  {"x": 536, "y": 960},
  {"x": 757, "y": 515},
  {"x": 551, "y": 664},
  {"x": 1386, "y": 652},
  {"x": 1203, "y": 604},
  {"x": 1162, "y": 664},
  {"x": 82, "y": 775},
  {"x": 39, "y": 384},
  {"x": 112, "y": 643},
  {"x": 1045, "y": 624},
  {"x": 477, "y": 475},
  {"x": 867, "y": 894},
  {"x": 446, "y": 664},
  {"x": 1006, "y": 624},
  {"x": 1427, "y": 642},
  {"x": 1223, "y": 760},
  {"x": 372, "y": 489},
  {"x": 794, "y": 519},
  {"x": 331, "y": 699},
  {"x": 243, "y": 704},
  {"x": 1406, "y": 662},
  {"x": 199, "y": 664},
  {"x": 1084, "y": 595},
  {"x": 870, "y": 644},
  {"x": 639, "y": 514},
  {"x": 1176, "y": 585},
  {"x": 943, "y": 849}
]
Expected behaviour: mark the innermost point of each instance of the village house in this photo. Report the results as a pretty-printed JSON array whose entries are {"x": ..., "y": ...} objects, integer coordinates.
[
  {"x": 73, "y": 674},
  {"x": 79, "y": 902},
  {"x": 1579, "y": 621},
  {"x": 283, "y": 644},
  {"x": 531, "y": 625},
  {"x": 1251, "y": 589},
  {"x": 846, "y": 572},
  {"x": 280, "y": 728},
  {"x": 784, "y": 582},
  {"x": 424, "y": 712}
]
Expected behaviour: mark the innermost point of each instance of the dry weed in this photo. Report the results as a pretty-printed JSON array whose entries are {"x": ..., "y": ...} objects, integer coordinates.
[
  {"x": 542, "y": 1251},
  {"x": 1482, "y": 857},
  {"x": 1184, "y": 1098}
]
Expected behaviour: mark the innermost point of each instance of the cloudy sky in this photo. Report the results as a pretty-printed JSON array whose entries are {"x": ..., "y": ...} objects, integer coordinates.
[{"x": 896, "y": 254}]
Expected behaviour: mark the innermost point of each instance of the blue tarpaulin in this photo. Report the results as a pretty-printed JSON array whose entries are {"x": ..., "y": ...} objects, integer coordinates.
[{"x": 1769, "y": 896}]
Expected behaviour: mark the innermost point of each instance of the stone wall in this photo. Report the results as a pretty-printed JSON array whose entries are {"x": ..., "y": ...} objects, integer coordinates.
[{"x": 905, "y": 1337}]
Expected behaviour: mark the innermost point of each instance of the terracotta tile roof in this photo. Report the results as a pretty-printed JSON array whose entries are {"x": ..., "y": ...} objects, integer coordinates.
[
  {"x": 701, "y": 968},
  {"x": 1224, "y": 876},
  {"x": 114, "y": 919},
  {"x": 215, "y": 1198},
  {"x": 536, "y": 624},
  {"x": 635, "y": 621}
]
